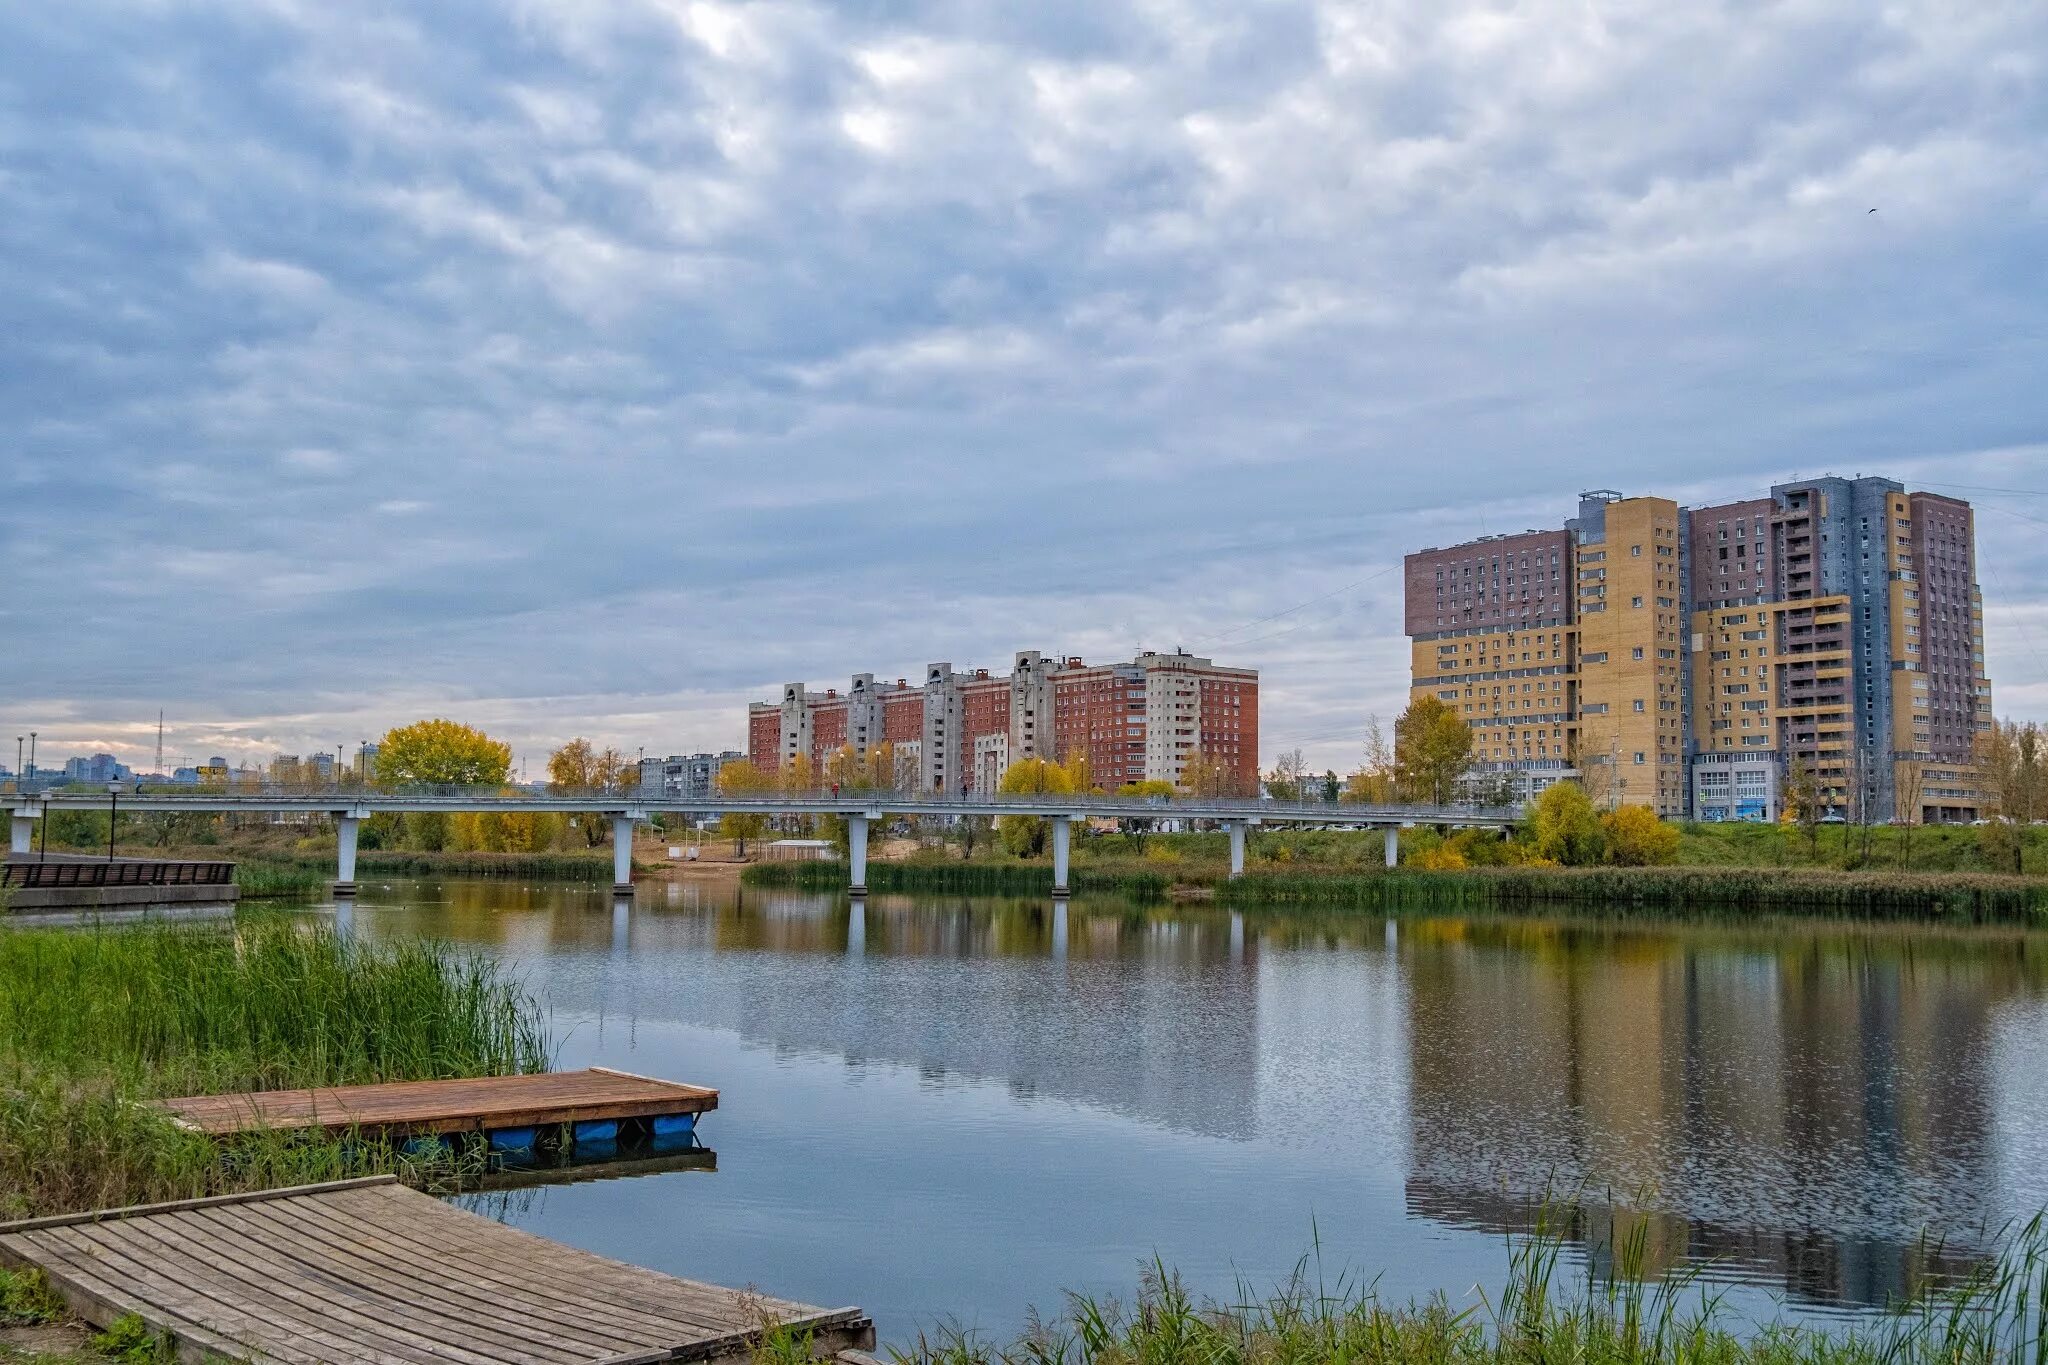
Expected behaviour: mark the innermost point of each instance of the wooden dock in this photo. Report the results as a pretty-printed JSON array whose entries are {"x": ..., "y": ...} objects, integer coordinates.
[
  {"x": 367, "y": 1270},
  {"x": 488, "y": 1104}
]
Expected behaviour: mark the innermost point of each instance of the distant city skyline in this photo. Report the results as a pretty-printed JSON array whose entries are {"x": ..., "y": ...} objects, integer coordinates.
[{"x": 593, "y": 370}]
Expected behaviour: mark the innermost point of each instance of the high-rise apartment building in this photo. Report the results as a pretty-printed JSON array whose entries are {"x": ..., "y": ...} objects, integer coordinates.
[
  {"x": 959, "y": 732},
  {"x": 1704, "y": 656}
]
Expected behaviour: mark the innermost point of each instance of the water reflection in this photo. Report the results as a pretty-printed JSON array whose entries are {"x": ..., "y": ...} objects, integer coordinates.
[{"x": 1837, "y": 1111}]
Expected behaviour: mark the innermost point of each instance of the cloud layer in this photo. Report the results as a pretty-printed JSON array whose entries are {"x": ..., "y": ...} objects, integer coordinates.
[{"x": 590, "y": 368}]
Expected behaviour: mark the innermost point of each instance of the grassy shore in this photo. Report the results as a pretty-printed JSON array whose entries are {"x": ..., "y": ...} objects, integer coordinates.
[
  {"x": 1997, "y": 1317},
  {"x": 94, "y": 1023},
  {"x": 1011, "y": 878},
  {"x": 1972, "y": 897},
  {"x": 1968, "y": 897}
]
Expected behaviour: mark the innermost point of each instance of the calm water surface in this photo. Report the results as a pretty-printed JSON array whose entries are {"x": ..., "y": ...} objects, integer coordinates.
[{"x": 947, "y": 1110}]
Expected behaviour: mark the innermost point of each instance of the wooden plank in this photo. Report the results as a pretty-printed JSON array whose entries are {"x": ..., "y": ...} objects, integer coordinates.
[
  {"x": 291, "y": 1256},
  {"x": 448, "y": 1106},
  {"x": 385, "y": 1266},
  {"x": 149, "y": 1289},
  {"x": 361, "y": 1271},
  {"x": 532, "y": 1287},
  {"x": 245, "y": 1293},
  {"x": 689, "y": 1308},
  {"x": 61, "y": 1220}
]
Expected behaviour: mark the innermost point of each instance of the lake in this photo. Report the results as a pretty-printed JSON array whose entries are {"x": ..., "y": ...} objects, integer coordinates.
[{"x": 948, "y": 1110}]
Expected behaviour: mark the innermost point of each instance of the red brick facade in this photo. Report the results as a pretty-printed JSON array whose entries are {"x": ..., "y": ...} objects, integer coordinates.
[{"x": 1132, "y": 720}]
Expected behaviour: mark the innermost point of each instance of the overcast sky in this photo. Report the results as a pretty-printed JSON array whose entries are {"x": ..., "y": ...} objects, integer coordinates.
[{"x": 589, "y": 368}]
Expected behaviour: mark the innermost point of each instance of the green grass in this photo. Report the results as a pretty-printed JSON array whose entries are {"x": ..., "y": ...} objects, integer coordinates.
[
  {"x": 957, "y": 878},
  {"x": 1970, "y": 897},
  {"x": 1620, "y": 891},
  {"x": 91, "y": 1022},
  {"x": 260, "y": 881},
  {"x": 1995, "y": 1317}
]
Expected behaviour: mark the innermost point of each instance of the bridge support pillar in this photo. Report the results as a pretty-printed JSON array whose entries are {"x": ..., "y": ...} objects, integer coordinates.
[
  {"x": 1236, "y": 828},
  {"x": 1393, "y": 845},
  {"x": 857, "y": 854},
  {"x": 21, "y": 836},
  {"x": 1061, "y": 830},
  {"x": 622, "y": 855},
  {"x": 345, "y": 828}
]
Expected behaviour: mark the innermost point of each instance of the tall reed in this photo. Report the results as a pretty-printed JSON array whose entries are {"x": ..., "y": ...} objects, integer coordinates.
[
  {"x": 1660, "y": 891},
  {"x": 960, "y": 879},
  {"x": 1537, "y": 1317},
  {"x": 94, "y": 1023}
]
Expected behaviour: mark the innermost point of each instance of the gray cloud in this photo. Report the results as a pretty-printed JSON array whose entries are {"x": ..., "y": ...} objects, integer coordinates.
[{"x": 590, "y": 369}]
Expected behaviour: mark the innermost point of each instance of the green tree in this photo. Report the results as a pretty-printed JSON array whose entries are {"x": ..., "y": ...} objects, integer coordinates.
[
  {"x": 441, "y": 753},
  {"x": 1564, "y": 828},
  {"x": 1025, "y": 835},
  {"x": 1432, "y": 750},
  {"x": 1637, "y": 838}
]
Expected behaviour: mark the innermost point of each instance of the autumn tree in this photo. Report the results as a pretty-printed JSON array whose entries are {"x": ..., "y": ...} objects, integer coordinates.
[
  {"x": 1025, "y": 835},
  {"x": 849, "y": 771},
  {"x": 1635, "y": 837},
  {"x": 441, "y": 753},
  {"x": 743, "y": 779},
  {"x": 1373, "y": 783},
  {"x": 1290, "y": 770},
  {"x": 1909, "y": 777},
  {"x": 580, "y": 767},
  {"x": 1805, "y": 799},
  {"x": 2012, "y": 775},
  {"x": 1432, "y": 750},
  {"x": 1203, "y": 775},
  {"x": 1151, "y": 788},
  {"x": 1564, "y": 828},
  {"x": 2012, "y": 771}
]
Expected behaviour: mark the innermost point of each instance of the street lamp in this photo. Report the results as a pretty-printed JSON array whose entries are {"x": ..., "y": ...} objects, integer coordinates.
[{"x": 113, "y": 815}]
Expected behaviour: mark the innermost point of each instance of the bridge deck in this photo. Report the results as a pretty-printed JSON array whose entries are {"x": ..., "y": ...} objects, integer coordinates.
[
  {"x": 482, "y": 1104},
  {"x": 367, "y": 1270}
]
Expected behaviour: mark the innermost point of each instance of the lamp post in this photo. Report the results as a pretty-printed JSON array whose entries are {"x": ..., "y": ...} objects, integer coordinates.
[
  {"x": 113, "y": 815},
  {"x": 31, "y": 753}
]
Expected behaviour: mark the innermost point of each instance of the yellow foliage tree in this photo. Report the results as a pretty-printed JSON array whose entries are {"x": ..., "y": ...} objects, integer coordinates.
[
  {"x": 1637, "y": 838},
  {"x": 743, "y": 779},
  {"x": 579, "y": 767},
  {"x": 1563, "y": 827},
  {"x": 1203, "y": 775},
  {"x": 1024, "y": 835},
  {"x": 441, "y": 753}
]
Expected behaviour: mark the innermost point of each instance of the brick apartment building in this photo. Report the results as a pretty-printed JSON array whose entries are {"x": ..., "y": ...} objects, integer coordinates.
[
  {"x": 1683, "y": 658},
  {"x": 959, "y": 732}
]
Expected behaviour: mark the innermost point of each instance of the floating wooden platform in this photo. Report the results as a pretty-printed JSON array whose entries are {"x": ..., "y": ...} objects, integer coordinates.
[
  {"x": 482, "y": 1105},
  {"x": 367, "y": 1270}
]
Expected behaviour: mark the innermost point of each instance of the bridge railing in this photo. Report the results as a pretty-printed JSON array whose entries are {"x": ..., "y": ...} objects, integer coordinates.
[{"x": 1180, "y": 805}]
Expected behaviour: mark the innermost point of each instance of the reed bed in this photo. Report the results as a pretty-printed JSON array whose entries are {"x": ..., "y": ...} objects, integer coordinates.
[
  {"x": 1970, "y": 897},
  {"x": 959, "y": 879},
  {"x": 269, "y": 881},
  {"x": 93, "y": 1023},
  {"x": 1996, "y": 1316}
]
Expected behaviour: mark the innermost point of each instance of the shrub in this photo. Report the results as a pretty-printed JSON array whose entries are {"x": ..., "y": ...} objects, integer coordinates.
[{"x": 1635, "y": 837}]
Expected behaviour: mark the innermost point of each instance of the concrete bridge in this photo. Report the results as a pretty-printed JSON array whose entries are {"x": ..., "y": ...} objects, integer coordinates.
[{"x": 860, "y": 810}]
